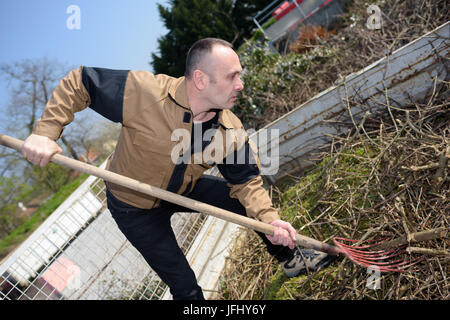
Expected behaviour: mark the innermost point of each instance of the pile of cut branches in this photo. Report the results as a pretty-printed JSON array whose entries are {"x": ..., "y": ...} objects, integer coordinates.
[
  {"x": 276, "y": 84},
  {"x": 388, "y": 177}
]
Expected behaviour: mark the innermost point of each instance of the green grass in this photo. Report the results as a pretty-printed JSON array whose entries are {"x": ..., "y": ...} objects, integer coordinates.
[
  {"x": 300, "y": 204},
  {"x": 45, "y": 210},
  {"x": 275, "y": 285}
]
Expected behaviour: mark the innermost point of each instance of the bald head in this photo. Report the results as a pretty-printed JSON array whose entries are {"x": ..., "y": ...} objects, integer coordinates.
[
  {"x": 198, "y": 56},
  {"x": 212, "y": 75}
]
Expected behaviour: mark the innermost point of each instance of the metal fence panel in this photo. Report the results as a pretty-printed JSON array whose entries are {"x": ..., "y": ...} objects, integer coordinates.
[{"x": 79, "y": 253}]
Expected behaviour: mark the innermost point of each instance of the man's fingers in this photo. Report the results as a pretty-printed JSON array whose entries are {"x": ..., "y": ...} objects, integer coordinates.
[
  {"x": 44, "y": 160},
  {"x": 30, "y": 154},
  {"x": 39, "y": 149},
  {"x": 284, "y": 234},
  {"x": 276, "y": 238},
  {"x": 34, "y": 158},
  {"x": 38, "y": 158},
  {"x": 27, "y": 154},
  {"x": 293, "y": 233},
  {"x": 282, "y": 237}
]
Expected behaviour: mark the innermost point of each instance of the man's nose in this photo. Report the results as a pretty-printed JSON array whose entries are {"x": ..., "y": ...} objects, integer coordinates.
[{"x": 239, "y": 85}]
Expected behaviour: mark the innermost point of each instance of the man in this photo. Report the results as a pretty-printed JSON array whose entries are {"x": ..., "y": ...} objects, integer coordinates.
[{"x": 150, "y": 108}]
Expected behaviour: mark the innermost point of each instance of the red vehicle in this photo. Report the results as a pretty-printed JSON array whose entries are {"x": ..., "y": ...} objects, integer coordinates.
[{"x": 284, "y": 9}]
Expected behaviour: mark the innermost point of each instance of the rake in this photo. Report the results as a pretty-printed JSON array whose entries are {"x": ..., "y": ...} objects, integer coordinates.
[{"x": 380, "y": 259}]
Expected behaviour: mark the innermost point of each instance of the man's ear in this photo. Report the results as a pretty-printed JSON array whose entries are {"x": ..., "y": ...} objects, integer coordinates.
[{"x": 200, "y": 79}]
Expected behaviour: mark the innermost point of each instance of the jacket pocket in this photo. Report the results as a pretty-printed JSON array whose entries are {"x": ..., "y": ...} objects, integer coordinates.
[
  {"x": 152, "y": 159},
  {"x": 159, "y": 145}
]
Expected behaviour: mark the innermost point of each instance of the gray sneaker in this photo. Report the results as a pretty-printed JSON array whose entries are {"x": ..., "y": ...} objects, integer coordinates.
[{"x": 306, "y": 259}]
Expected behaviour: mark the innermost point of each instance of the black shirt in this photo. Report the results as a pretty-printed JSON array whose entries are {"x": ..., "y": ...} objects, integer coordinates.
[{"x": 199, "y": 129}]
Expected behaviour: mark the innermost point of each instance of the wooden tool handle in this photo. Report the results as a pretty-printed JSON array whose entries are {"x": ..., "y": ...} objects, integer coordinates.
[{"x": 171, "y": 197}]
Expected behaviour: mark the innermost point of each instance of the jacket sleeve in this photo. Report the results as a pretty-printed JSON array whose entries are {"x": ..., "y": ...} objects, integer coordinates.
[
  {"x": 242, "y": 173},
  {"x": 100, "y": 89}
]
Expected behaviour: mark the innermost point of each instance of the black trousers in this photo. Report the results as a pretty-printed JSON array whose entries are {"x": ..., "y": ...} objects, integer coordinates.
[{"x": 150, "y": 232}]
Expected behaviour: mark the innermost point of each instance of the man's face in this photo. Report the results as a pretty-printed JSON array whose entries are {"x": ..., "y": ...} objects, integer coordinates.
[{"x": 224, "y": 82}]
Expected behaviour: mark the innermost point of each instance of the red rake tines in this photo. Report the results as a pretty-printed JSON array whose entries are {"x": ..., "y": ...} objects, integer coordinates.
[{"x": 383, "y": 260}]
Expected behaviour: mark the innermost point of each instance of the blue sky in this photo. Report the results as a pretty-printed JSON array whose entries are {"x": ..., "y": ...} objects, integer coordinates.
[{"x": 116, "y": 34}]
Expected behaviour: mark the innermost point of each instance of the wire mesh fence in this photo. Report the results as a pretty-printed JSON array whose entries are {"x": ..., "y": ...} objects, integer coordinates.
[{"x": 79, "y": 253}]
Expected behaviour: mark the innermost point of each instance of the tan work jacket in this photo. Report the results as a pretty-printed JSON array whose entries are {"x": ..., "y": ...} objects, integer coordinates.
[{"x": 150, "y": 107}]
